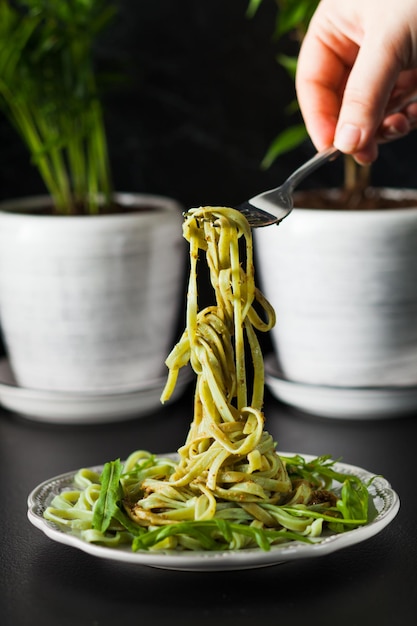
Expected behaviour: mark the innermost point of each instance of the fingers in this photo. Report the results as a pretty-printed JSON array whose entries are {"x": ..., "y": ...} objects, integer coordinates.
[
  {"x": 357, "y": 77},
  {"x": 404, "y": 92},
  {"x": 365, "y": 101},
  {"x": 320, "y": 82},
  {"x": 410, "y": 111},
  {"x": 394, "y": 126}
]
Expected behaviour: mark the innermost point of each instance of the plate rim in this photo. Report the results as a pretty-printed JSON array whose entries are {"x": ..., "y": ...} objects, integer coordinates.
[{"x": 218, "y": 560}]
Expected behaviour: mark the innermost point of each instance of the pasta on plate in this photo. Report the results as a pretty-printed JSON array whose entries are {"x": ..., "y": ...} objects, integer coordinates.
[{"x": 227, "y": 488}]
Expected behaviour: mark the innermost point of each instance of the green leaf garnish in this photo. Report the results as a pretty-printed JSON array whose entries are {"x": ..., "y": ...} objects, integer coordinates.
[
  {"x": 106, "y": 506},
  {"x": 215, "y": 534}
]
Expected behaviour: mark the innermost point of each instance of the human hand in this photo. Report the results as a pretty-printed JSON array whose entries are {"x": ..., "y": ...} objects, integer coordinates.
[{"x": 357, "y": 74}]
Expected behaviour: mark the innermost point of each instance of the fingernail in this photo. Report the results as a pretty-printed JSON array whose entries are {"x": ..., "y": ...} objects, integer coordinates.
[
  {"x": 411, "y": 112},
  {"x": 392, "y": 133},
  {"x": 347, "y": 138}
]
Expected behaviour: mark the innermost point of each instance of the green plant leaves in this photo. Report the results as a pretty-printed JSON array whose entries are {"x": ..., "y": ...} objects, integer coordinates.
[
  {"x": 49, "y": 93},
  {"x": 284, "y": 142},
  {"x": 292, "y": 16}
]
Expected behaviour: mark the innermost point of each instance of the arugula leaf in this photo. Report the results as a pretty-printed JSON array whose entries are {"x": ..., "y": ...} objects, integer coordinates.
[
  {"x": 354, "y": 500},
  {"x": 110, "y": 494},
  {"x": 129, "y": 525}
]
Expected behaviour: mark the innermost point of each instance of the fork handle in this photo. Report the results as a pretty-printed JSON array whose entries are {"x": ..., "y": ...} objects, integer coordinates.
[{"x": 310, "y": 166}]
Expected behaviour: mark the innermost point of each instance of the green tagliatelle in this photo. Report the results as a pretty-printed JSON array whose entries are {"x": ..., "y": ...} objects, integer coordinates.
[
  {"x": 94, "y": 509},
  {"x": 229, "y": 488}
]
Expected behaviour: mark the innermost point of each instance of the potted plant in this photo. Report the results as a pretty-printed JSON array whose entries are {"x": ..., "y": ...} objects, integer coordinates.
[
  {"x": 340, "y": 271},
  {"x": 89, "y": 278}
]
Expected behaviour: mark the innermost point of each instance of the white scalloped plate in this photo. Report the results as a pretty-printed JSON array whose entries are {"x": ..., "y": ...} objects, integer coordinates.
[{"x": 385, "y": 500}]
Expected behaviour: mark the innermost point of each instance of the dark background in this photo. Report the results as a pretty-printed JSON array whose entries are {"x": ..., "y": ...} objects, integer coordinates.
[{"x": 203, "y": 97}]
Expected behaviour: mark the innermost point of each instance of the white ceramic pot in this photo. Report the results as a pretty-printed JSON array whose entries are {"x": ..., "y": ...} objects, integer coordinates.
[
  {"x": 344, "y": 286},
  {"x": 90, "y": 303}
]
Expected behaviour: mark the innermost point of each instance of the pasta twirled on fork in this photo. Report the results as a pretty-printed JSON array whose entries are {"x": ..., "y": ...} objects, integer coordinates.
[{"x": 228, "y": 457}]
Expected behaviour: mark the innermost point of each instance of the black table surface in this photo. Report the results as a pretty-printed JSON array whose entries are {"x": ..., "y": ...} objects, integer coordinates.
[{"x": 50, "y": 584}]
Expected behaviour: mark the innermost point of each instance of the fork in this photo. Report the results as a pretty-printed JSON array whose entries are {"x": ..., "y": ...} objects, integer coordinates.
[{"x": 270, "y": 207}]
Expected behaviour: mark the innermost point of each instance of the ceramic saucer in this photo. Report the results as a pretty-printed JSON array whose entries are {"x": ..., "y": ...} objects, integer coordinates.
[
  {"x": 84, "y": 408},
  {"x": 340, "y": 402}
]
